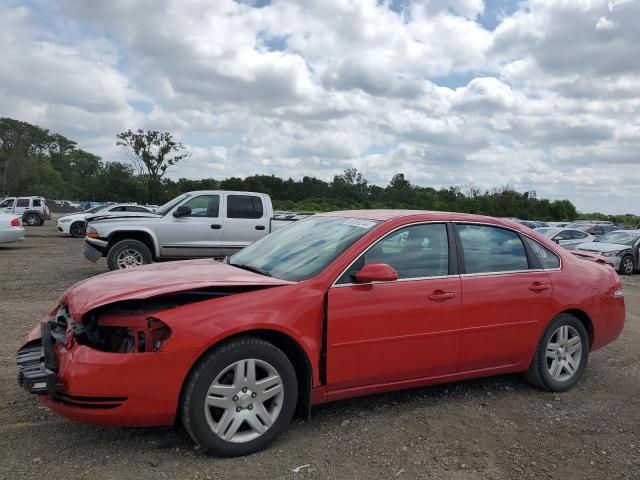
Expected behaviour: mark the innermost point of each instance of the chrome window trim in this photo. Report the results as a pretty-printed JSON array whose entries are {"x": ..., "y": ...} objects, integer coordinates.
[
  {"x": 443, "y": 222},
  {"x": 510, "y": 272}
]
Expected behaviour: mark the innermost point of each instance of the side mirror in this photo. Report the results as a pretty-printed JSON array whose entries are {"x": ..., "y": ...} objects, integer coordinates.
[
  {"x": 376, "y": 272},
  {"x": 182, "y": 211}
]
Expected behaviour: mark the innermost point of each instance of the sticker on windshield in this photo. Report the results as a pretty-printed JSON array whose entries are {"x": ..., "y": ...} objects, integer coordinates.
[{"x": 354, "y": 222}]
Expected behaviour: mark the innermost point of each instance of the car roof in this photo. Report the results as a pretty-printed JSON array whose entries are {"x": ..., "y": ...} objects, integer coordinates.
[{"x": 384, "y": 215}]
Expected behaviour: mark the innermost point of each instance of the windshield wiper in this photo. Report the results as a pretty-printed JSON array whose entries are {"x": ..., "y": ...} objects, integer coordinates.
[{"x": 251, "y": 268}]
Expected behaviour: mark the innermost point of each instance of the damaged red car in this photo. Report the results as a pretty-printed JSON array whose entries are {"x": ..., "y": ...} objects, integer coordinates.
[{"x": 334, "y": 306}]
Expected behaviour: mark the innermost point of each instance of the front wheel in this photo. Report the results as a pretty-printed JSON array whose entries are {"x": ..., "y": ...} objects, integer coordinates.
[
  {"x": 77, "y": 229},
  {"x": 128, "y": 254},
  {"x": 240, "y": 398},
  {"x": 626, "y": 265},
  {"x": 561, "y": 356}
]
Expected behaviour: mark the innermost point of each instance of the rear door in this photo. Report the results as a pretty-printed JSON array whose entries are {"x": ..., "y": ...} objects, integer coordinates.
[
  {"x": 401, "y": 330},
  {"x": 195, "y": 235},
  {"x": 245, "y": 222},
  {"x": 506, "y": 295}
]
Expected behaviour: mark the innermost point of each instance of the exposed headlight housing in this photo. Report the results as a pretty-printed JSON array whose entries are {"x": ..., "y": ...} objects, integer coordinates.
[{"x": 610, "y": 254}]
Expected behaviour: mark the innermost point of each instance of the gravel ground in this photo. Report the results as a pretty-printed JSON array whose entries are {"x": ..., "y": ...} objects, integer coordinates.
[{"x": 495, "y": 428}]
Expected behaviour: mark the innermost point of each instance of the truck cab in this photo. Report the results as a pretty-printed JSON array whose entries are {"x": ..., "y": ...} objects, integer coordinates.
[{"x": 210, "y": 223}]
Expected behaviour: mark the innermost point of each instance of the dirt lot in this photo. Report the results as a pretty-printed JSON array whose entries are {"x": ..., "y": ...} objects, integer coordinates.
[{"x": 494, "y": 428}]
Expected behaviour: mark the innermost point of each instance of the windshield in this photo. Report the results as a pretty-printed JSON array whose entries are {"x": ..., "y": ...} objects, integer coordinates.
[
  {"x": 622, "y": 238},
  {"x": 164, "y": 209},
  {"x": 304, "y": 248}
]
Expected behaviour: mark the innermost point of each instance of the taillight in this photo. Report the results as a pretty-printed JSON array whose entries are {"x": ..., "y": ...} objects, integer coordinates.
[{"x": 15, "y": 222}]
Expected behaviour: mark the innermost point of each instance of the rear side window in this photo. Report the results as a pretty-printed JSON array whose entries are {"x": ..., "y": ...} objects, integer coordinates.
[
  {"x": 136, "y": 209},
  {"x": 117, "y": 209},
  {"x": 36, "y": 202},
  {"x": 577, "y": 235},
  {"x": 244, "y": 206},
  {"x": 548, "y": 259},
  {"x": 22, "y": 202},
  {"x": 491, "y": 249}
]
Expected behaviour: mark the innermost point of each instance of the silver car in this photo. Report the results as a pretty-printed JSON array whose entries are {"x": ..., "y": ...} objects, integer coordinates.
[
  {"x": 619, "y": 248},
  {"x": 568, "y": 238}
]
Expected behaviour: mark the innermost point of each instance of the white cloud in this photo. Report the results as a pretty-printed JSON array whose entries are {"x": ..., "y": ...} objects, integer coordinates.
[{"x": 548, "y": 101}]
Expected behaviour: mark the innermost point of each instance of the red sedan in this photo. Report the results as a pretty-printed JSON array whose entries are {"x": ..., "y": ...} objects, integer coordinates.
[{"x": 334, "y": 306}]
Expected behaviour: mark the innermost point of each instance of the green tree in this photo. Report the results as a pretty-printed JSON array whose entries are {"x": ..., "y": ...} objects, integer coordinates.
[{"x": 152, "y": 152}]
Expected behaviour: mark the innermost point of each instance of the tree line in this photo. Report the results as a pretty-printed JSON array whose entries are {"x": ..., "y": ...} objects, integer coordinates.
[{"x": 34, "y": 161}]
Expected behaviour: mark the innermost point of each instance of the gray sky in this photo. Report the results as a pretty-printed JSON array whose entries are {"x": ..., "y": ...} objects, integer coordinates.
[{"x": 541, "y": 95}]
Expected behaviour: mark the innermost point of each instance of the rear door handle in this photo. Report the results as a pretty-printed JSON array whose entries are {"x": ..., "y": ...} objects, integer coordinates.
[
  {"x": 216, "y": 226},
  {"x": 440, "y": 295},
  {"x": 260, "y": 227},
  {"x": 539, "y": 287}
]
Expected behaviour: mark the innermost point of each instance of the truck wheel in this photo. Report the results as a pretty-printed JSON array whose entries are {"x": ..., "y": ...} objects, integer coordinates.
[
  {"x": 128, "y": 254},
  {"x": 240, "y": 397},
  {"x": 78, "y": 229},
  {"x": 33, "y": 220}
]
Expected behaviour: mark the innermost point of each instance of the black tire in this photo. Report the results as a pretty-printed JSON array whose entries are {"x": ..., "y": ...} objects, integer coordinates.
[
  {"x": 138, "y": 249},
  {"x": 78, "y": 229},
  {"x": 209, "y": 368},
  {"x": 33, "y": 220},
  {"x": 626, "y": 265},
  {"x": 538, "y": 373}
]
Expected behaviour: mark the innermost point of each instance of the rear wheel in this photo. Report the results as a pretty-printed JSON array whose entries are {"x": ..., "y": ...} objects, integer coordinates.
[
  {"x": 128, "y": 254},
  {"x": 240, "y": 398},
  {"x": 77, "y": 229},
  {"x": 626, "y": 265},
  {"x": 561, "y": 356},
  {"x": 33, "y": 220}
]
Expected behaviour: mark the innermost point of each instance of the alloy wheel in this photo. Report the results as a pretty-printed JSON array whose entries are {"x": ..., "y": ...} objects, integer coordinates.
[
  {"x": 564, "y": 353},
  {"x": 627, "y": 265},
  {"x": 244, "y": 400},
  {"x": 129, "y": 258}
]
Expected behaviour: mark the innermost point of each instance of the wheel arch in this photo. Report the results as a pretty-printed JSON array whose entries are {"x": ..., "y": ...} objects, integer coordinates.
[
  {"x": 289, "y": 346},
  {"x": 141, "y": 235},
  {"x": 584, "y": 318}
]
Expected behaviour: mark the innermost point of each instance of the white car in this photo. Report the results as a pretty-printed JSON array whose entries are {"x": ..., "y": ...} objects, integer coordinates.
[
  {"x": 620, "y": 249},
  {"x": 75, "y": 224},
  {"x": 11, "y": 229},
  {"x": 568, "y": 238}
]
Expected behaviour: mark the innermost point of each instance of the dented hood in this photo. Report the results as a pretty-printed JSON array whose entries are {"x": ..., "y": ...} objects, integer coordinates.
[{"x": 155, "y": 280}]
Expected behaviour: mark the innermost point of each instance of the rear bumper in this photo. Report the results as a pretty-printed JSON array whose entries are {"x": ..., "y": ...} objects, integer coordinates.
[{"x": 12, "y": 234}]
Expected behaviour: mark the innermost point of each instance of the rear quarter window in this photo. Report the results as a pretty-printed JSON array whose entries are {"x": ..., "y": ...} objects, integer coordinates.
[{"x": 548, "y": 260}]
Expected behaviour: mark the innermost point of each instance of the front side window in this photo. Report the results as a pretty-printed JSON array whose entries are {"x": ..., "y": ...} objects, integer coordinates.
[
  {"x": 417, "y": 251},
  {"x": 204, "y": 206},
  {"x": 548, "y": 259},
  {"x": 8, "y": 203},
  {"x": 490, "y": 249},
  {"x": 22, "y": 202},
  {"x": 244, "y": 206},
  {"x": 304, "y": 248}
]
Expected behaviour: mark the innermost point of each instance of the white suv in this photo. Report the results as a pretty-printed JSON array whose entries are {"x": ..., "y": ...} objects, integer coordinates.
[{"x": 32, "y": 210}]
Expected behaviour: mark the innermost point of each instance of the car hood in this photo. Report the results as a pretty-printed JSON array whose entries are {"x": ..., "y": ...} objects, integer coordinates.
[
  {"x": 156, "y": 280},
  {"x": 602, "y": 247},
  {"x": 75, "y": 216}
]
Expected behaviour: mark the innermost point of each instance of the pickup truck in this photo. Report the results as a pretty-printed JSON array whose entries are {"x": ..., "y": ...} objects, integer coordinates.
[
  {"x": 32, "y": 210},
  {"x": 194, "y": 224}
]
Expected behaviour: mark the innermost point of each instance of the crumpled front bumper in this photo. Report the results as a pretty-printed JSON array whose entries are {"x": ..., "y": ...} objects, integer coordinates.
[{"x": 101, "y": 388}]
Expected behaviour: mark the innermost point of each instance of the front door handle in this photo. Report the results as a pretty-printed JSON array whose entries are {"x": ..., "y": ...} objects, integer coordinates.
[
  {"x": 539, "y": 287},
  {"x": 216, "y": 226},
  {"x": 440, "y": 295},
  {"x": 260, "y": 227}
]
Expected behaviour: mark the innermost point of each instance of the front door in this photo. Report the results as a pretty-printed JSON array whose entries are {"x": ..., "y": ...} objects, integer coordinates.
[
  {"x": 504, "y": 299},
  {"x": 400, "y": 330},
  {"x": 195, "y": 235}
]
